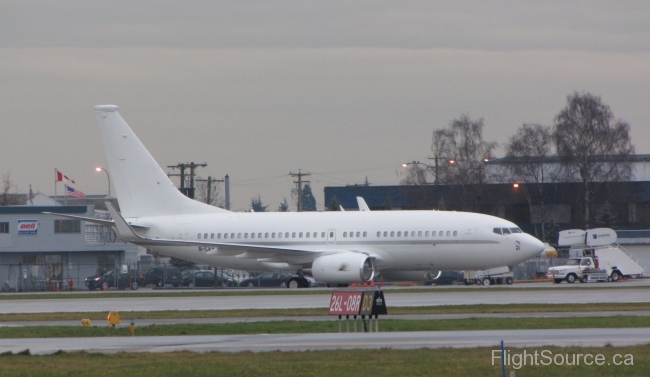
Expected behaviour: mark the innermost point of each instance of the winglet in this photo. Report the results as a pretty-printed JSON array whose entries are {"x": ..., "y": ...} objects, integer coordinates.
[
  {"x": 362, "y": 204},
  {"x": 123, "y": 229}
]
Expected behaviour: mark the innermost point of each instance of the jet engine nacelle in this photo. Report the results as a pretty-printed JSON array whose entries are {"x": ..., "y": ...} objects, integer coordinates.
[
  {"x": 343, "y": 268},
  {"x": 410, "y": 275}
]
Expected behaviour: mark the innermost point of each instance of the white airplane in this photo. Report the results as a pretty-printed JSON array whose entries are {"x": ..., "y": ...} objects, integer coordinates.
[{"x": 334, "y": 247}]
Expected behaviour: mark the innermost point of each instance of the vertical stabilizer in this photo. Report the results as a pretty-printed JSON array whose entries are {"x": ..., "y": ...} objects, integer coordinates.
[{"x": 143, "y": 189}]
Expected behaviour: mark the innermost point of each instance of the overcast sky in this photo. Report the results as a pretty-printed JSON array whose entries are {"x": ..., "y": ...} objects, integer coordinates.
[{"x": 342, "y": 89}]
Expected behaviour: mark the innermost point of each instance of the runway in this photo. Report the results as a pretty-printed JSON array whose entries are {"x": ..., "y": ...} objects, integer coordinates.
[
  {"x": 436, "y": 297},
  {"x": 330, "y": 341}
]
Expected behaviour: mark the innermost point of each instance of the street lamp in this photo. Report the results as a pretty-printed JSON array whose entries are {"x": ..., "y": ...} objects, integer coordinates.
[{"x": 109, "y": 179}]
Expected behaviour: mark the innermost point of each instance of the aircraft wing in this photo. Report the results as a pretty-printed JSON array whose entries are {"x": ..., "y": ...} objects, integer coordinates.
[{"x": 126, "y": 233}]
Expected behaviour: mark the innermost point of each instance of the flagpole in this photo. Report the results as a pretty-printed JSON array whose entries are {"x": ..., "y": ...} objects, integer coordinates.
[{"x": 55, "y": 180}]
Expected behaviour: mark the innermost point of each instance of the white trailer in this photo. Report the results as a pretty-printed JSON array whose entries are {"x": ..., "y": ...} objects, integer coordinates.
[{"x": 497, "y": 275}]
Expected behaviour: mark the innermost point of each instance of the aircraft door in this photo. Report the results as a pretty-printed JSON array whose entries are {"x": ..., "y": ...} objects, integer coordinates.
[{"x": 331, "y": 236}]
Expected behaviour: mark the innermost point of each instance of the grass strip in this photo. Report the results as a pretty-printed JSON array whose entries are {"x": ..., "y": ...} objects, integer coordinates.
[
  {"x": 448, "y": 362},
  {"x": 246, "y": 313},
  {"x": 284, "y": 291},
  {"x": 294, "y": 327}
]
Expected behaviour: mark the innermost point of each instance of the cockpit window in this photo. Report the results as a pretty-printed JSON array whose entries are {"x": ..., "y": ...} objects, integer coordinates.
[
  {"x": 497, "y": 230},
  {"x": 506, "y": 231},
  {"x": 515, "y": 230}
]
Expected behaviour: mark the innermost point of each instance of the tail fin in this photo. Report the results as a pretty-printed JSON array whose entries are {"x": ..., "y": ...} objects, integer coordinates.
[{"x": 143, "y": 188}]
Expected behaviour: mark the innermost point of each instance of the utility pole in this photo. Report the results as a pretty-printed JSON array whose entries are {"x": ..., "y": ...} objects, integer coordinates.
[
  {"x": 189, "y": 192},
  {"x": 299, "y": 183},
  {"x": 209, "y": 180},
  {"x": 227, "y": 184}
]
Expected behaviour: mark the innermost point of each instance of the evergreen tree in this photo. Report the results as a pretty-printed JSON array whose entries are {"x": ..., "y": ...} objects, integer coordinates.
[
  {"x": 308, "y": 200},
  {"x": 257, "y": 206},
  {"x": 284, "y": 206},
  {"x": 335, "y": 204}
]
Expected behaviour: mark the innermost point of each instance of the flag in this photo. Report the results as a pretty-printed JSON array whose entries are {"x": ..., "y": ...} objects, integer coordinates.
[
  {"x": 73, "y": 192},
  {"x": 62, "y": 178}
]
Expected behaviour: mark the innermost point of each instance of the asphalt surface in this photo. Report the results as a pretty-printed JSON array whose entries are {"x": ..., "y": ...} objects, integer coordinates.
[
  {"x": 330, "y": 341},
  {"x": 436, "y": 297}
]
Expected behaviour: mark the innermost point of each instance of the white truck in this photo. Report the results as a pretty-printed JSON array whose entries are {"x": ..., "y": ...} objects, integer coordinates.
[{"x": 596, "y": 258}]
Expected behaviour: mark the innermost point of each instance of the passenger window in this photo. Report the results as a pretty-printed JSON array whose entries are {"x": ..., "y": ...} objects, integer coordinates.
[
  {"x": 245, "y": 235},
  {"x": 358, "y": 234},
  {"x": 232, "y": 235},
  {"x": 315, "y": 234},
  {"x": 286, "y": 234},
  {"x": 293, "y": 235},
  {"x": 252, "y": 235},
  {"x": 266, "y": 235},
  {"x": 300, "y": 235},
  {"x": 345, "y": 234},
  {"x": 406, "y": 234},
  {"x": 399, "y": 234},
  {"x": 273, "y": 235},
  {"x": 365, "y": 234},
  {"x": 331, "y": 234},
  {"x": 440, "y": 233},
  {"x": 205, "y": 236},
  {"x": 497, "y": 230},
  {"x": 448, "y": 234},
  {"x": 307, "y": 234},
  {"x": 259, "y": 235},
  {"x": 455, "y": 233},
  {"x": 238, "y": 235},
  {"x": 211, "y": 235},
  {"x": 392, "y": 233},
  {"x": 198, "y": 236},
  {"x": 322, "y": 234},
  {"x": 279, "y": 235},
  {"x": 385, "y": 234},
  {"x": 420, "y": 234},
  {"x": 378, "y": 234},
  {"x": 426, "y": 234},
  {"x": 219, "y": 235},
  {"x": 413, "y": 233},
  {"x": 225, "y": 235}
]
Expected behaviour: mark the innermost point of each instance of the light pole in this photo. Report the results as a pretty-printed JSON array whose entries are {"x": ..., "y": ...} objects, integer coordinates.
[{"x": 107, "y": 177}]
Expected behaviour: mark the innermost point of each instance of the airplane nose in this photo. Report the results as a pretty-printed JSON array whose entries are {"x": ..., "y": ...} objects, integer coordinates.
[{"x": 532, "y": 246}]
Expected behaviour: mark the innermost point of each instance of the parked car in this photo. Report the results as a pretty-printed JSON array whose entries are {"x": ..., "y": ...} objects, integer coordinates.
[
  {"x": 109, "y": 280},
  {"x": 447, "y": 278},
  {"x": 275, "y": 279},
  {"x": 161, "y": 276},
  {"x": 198, "y": 278}
]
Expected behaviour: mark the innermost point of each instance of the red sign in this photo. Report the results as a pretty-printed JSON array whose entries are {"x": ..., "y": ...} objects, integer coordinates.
[{"x": 345, "y": 303}]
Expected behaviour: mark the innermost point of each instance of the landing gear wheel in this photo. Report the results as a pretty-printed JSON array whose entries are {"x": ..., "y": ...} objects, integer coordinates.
[
  {"x": 509, "y": 280},
  {"x": 571, "y": 278},
  {"x": 615, "y": 276},
  {"x": 486, "y": 282}
]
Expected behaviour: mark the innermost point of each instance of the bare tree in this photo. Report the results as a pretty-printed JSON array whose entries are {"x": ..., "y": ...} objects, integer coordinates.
[
  {"x": 209, "y": 191},
  {"x": 415, "y": 175},
  {"x": 525, "y": 157},
  {"x": 463, "y": 146},
  {"x": 594, "y": 146},
  {"x": 6, "y": 198}
]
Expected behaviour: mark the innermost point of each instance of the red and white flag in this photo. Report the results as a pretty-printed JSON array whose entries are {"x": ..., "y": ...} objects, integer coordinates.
[
  {"x": 63, "y": 178},
  {"x": 73, "y": 192}
]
